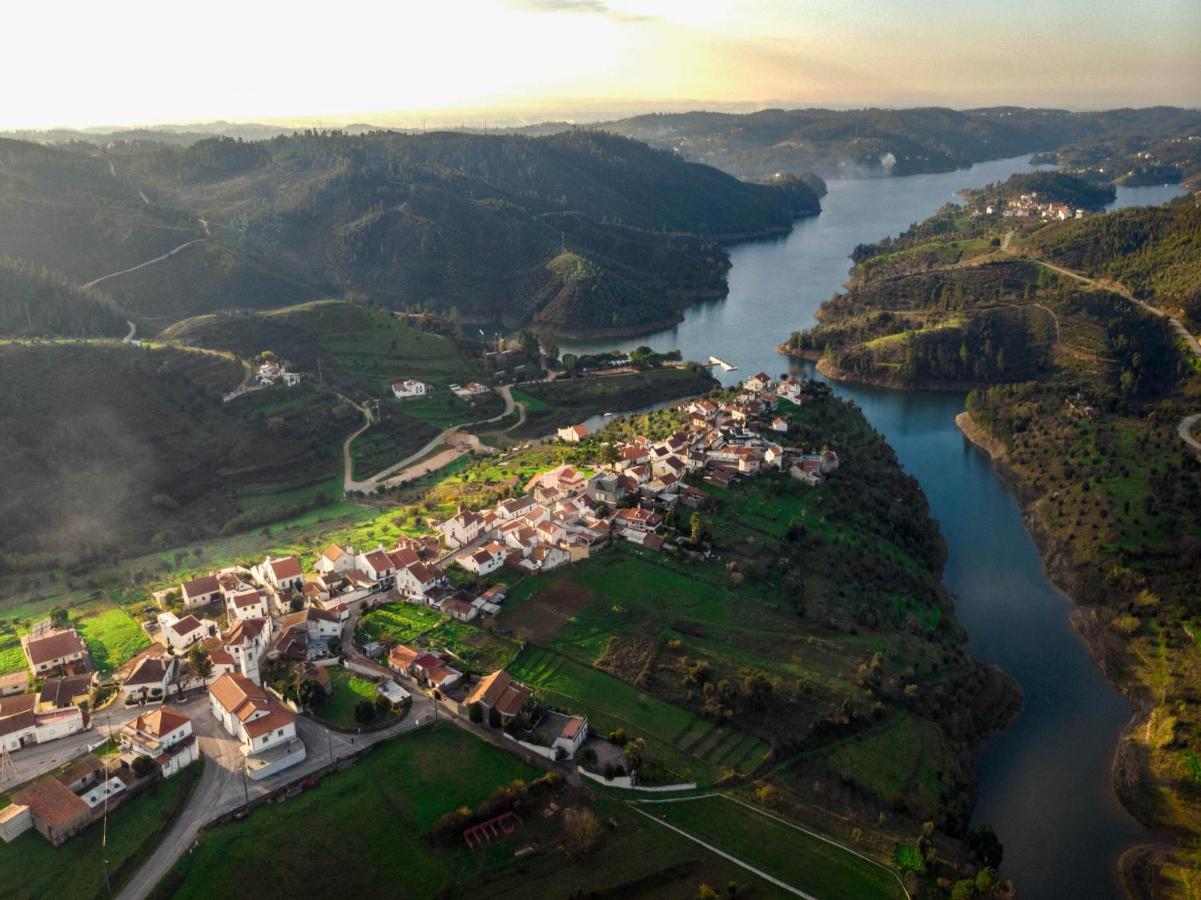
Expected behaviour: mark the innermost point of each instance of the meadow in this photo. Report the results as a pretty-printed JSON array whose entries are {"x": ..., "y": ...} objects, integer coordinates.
[{"x": 798, "y": 858}]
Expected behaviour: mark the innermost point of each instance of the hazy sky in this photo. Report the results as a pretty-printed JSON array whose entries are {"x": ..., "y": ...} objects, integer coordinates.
[{"x": 145, "y": 61}]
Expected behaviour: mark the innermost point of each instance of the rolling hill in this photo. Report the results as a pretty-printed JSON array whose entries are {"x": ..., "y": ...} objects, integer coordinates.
[{"x": 119, "y": 450}]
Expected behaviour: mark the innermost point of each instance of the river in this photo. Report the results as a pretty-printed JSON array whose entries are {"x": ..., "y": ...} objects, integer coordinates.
[{"x": 1044, "y": 781}]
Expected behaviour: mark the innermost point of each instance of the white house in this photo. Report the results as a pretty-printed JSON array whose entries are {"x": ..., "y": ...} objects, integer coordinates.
[
  {"x": 573, "y": 735},
  {"x": 253, "y": 604},
  {"x": 283, "y": 573},
  {"x": 164, "y": 735},
  {"x": 572, "y": 434},
  {"x": 485, "y": 560},
  {"x": 180, "y": 634},
  {"x": 265, "y": 727},
  {"x": 461, "y": 529},
  {"x": 378, "y": 566},
  {"x": 410, "y": 387},
  {"x": 200, "y": 592},
  {"x": 335, "y": 559},
  {"x": 53, "y": 651},
  {"x": 417, "y": 579},
  {"x": 242, "y": 648},
  {"x": 757, "y": 383},
  {"x": 149, "y": 679}
]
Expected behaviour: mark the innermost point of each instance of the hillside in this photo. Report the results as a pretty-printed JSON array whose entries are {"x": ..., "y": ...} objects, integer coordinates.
[
  {"x": 118, "y": 450},
  {"x": 358, "y": 349},
  {"x": 840, "y": 143},
  {"x": 1155, "y": 251},
  {"x": 1080, "y": 394},
  {"x": 33, "y": 301},
  {"x": 472, "y": 222},
  {"x": 66, "y": 211}
]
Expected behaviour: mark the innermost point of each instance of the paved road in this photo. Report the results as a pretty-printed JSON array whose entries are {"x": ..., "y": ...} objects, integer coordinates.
[
  {"x": 150, "y": 262},
  {"x": 223, "y": 787}
]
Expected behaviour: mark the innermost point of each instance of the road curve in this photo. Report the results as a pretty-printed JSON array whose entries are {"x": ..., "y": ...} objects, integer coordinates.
[{"x": 1185, "y": 428}]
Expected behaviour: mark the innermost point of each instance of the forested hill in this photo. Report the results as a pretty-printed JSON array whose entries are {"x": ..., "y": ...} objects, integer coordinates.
[
  {"x": 837, "y": 143},
  {"x": 443, "y": 221},
  {"x": 1155, "y": 251}
]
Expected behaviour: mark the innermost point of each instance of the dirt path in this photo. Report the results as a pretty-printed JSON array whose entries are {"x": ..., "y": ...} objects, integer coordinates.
[
  {"x": 133, "y": 330},
  {"x": 415, "y": 465},
  {"x": 149, "y": 262}
]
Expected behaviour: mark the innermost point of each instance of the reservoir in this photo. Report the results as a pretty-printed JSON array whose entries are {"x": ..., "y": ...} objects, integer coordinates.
[{"x": 1044, "y": 781}]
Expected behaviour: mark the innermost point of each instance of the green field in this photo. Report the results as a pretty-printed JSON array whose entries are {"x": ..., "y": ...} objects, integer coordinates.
[
  {"x": 795, "y": 857},
  {"x": 400, "y": 622},
  {"x": 12, "y": 657},
  {"x": 31, "y": 868},
  {"x": 112, "y": 637},
  {"x": 360, "y": 832},
  {"x": 348, "y": 689},
  {"x": 690, "y": 748}
]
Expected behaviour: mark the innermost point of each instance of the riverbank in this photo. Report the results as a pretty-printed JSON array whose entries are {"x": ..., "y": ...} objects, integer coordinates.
[{"x": 1133, "y": 781}]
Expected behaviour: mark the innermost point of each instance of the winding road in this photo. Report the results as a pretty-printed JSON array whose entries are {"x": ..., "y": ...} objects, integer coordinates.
[
  {"x": 1188, "y": 423},
  {"x": 415, "y": 464}
]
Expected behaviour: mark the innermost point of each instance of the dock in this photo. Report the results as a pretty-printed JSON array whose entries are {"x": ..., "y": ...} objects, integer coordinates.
[{"x": 718, "y": 361}]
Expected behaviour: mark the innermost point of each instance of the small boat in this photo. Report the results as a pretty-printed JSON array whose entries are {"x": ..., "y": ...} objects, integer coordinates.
[{"x": 608, "y": 414}]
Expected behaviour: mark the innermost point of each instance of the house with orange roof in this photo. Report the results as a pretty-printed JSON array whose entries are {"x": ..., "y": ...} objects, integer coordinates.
[
  {"x": 265, "y": 727},
  {"x": 165, "y": 735}
]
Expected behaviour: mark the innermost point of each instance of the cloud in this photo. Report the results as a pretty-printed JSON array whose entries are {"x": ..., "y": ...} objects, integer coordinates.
[{"x": 595, "y": 7}]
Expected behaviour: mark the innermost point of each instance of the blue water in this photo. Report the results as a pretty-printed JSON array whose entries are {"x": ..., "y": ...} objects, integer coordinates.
[{"x": 1044, "y": 781}]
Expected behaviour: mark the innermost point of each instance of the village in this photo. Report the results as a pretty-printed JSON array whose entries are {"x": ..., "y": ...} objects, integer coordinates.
[
  {"x": 241, "y": 657},
  {"x": 1029, "y": 206}
]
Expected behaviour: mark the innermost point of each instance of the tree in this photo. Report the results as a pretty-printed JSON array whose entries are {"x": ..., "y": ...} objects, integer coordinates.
[
  {"x": 364, "y": 712},
  {"x": 581, "y": 832},
  {"x": 200, "y": 662},
  {"x": 143, "y": 766},
  {"x": 383, "y": 705},
  {"x": 570, "y": 362},
  {"x": 964, "y": 889},
  {"x": 707, "y": 892},
  {"x": 309, "y": 693},
  {"x": 767, "y": 795},
  {"x": 551, "y": 347},
  {"x": 985, "y": 846},
  {"x": 335, "y": 646},
  {"x": 633, "y": 752},
  {"x": 59, "y": 617},
  {"x": 695, "y": 528},
  {"x": 528, "y": 342}
]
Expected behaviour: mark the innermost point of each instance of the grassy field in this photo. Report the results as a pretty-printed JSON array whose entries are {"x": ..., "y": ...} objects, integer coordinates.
[
  {"x": 400, "y": 622},
  {"x": 112, "y": 637},
  {"x": 12, "y": 657},
  {"x": 395, "y": 436},
  {"x": 348, "y": 689},
  {"x": 357, "y": 348},
  {"x": 360, "y": 832},
  {"x": 808, "y": 863},
  {"x": 31, "y": 867},
  {"x": 689, "y": 747}
]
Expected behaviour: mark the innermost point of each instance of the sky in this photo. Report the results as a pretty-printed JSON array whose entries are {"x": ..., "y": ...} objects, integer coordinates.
[{"x": 129, "y": 62}]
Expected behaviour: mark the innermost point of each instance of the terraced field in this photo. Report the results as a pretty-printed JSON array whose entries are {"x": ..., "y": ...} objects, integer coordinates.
[{"x": 690, "y": 747}]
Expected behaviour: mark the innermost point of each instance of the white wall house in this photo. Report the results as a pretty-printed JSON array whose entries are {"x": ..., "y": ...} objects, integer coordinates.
[
  {"x": 265, "y": 728},
  {"x": 410, "y": 387},
  {"x": 200, "y": 592},
  {"x": 283, "y": 573},
  {"x": 335, "y": 559},
  {"x": 53, "y": 651},
  {"x": 484, "y": 561},
  {"x": 149, "y": 679},
  {"x": 253, "y": 604},
  {"x": 462, "y": 529},
  {"x": 164, "y": 735}
]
